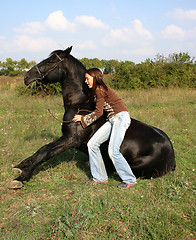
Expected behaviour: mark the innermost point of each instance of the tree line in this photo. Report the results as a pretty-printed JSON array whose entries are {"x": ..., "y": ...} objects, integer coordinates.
[
  {"x": 178, "y": 69},
  {"x": 15, "y": 68}
]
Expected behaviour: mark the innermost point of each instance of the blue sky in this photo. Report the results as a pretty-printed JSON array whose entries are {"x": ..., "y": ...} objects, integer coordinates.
[{"x": 105, "y": 29}]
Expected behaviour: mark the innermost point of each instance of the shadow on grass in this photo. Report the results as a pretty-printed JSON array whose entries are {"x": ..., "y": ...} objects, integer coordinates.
[
  {"x": 44, "y": 135},
  {"x": 81, "y": 159}
]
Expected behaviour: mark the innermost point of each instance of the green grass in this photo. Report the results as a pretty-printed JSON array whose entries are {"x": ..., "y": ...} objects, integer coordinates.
[{"x": 56, "y": 203}]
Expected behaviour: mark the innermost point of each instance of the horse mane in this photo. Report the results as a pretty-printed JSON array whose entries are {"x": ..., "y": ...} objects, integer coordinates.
[
  {"x": 58, "y": 52},
  {"x": 61, "y": 53}
]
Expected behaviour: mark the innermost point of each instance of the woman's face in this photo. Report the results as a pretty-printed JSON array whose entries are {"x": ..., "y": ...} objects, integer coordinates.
[{"x": 89, "y": 80}]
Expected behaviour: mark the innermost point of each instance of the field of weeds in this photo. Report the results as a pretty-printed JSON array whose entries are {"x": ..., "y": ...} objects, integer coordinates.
[{"x": 56, "y": 203}]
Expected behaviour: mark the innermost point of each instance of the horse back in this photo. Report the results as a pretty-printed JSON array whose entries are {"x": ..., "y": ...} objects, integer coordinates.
[{"x": 148, "y": 150}]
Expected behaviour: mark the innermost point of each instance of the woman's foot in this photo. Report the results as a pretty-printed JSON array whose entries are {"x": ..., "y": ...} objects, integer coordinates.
[
  {"x": 124, "y": 185},
  {"x": 92, "y": 182}
]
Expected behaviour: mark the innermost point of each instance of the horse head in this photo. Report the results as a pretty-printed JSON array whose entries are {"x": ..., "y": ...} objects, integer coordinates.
[
  {"x": 49, "y": 70},
  {"x": 62, "y": 67}
]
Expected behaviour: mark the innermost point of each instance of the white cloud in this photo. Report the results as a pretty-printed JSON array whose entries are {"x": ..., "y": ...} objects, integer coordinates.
[
  {"x": 57, "y": 22},
  {"x": 88, "y": 44},
  {"x": 173, "y": 32},
  {"x": 132, "y": 42},
  {"x": 140, "y": 30},
  {"x": 91, "y": 21},
  {"x": 183, "y": 15},
  {"x": 139, "y": 52},
  {"x": 191, "y": 34},
  {"x": 133, "y": 34},
  {"x": 176, "y": 33},
  {"x": 30, "y": 28},
  {"x": 28, "y": 43}
]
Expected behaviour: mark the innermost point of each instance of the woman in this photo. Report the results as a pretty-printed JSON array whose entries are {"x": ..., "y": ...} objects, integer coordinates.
[{"x": 114, "y": 129}]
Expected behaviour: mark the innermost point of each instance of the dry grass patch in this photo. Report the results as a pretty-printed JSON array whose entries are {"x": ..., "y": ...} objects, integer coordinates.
[{"x": 10, "y": 82}]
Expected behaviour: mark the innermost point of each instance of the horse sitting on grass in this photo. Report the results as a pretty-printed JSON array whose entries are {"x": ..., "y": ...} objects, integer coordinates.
[{"x": 147, "y": 149}]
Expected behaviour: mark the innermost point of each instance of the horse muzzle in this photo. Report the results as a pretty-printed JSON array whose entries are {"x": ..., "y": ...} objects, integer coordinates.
[{"x": 28, "y": 80}]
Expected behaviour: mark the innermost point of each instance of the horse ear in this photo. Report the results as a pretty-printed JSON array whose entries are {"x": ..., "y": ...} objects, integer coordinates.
[{"x": 67, "y": 51}]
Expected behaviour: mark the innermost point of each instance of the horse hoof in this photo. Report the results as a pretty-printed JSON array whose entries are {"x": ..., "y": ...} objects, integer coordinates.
[
  {"x": 17, "y": 171},
  {"x": 15, "y": 185}
]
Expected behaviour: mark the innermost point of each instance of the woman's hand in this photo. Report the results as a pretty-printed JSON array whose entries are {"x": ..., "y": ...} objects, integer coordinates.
[{"x": 77, "y": 118}]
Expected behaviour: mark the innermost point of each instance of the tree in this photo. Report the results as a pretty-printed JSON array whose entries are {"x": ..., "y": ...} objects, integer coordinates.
[
  {"x": 8, "y": 66},
  {"x": 181, "y": 58},
  {"x": 32, "y": 64},
  {"x": 109, "y": 66},
  {"x": 23, "y": 64}
]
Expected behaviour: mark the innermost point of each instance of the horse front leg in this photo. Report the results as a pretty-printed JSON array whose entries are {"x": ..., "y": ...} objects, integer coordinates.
[{"x": 27, "y": 166}]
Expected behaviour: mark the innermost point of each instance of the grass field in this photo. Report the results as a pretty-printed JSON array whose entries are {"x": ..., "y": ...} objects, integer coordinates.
[{"x": 56, "y": 203}]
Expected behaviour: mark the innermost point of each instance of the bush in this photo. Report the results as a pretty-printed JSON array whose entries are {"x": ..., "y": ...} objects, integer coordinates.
[
  {"x": 154, "y": 74},
  {"x": 35, "y": 89}
]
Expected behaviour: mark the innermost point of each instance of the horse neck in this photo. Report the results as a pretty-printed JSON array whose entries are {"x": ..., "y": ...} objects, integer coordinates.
[{"x": 73, "y": 86}]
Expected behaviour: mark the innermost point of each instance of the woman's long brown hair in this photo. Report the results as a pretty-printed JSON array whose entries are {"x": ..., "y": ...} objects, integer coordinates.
[{"x": 97, "y": 81}]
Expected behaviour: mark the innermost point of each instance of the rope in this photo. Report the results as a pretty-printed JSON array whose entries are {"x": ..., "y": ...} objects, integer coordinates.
[
  {"x": 67, "y": 122},
  {"x": 57, "y": 118},
  {"x": 42, "y": 88}
]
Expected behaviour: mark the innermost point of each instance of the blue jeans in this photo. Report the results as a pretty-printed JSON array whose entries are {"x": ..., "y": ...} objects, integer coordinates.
[{"x": 114, "y": 129}]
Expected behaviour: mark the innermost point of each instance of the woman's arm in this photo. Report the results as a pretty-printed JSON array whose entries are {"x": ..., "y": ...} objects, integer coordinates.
[{"x": 97, "y": 113}]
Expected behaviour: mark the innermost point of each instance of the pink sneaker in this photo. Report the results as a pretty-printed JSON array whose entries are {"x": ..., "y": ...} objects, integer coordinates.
[
  {"x": 124, "y": 185},
  {"x": 91, "y": 181}
]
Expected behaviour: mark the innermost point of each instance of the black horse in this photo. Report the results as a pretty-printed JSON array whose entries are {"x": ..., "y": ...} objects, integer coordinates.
[{"x": 147, "y": 149}]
